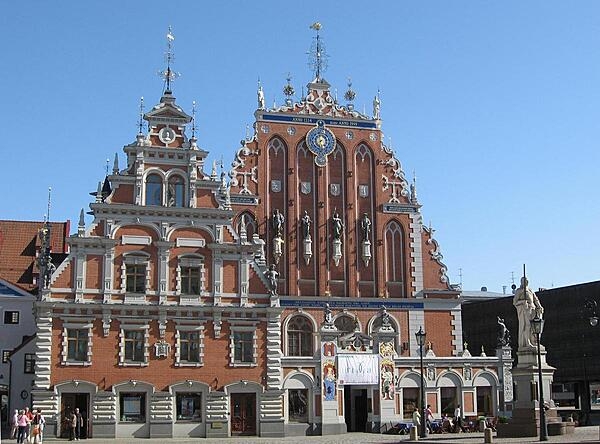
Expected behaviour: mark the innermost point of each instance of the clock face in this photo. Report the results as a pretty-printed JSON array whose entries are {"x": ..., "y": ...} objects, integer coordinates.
[{"x": 320, "y": 142}]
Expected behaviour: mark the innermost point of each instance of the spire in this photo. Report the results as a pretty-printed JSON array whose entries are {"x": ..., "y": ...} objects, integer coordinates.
[
  {"x": 317, "y": 55},
  {"x": 194, "y": 120},
  {"x": 115, "y": 169},
  {"x": 141, "y": 121},
  {"x": 413, "y": 189},
  {"x": 44, "y": 260},
  {"x": 168, "y": 74}
]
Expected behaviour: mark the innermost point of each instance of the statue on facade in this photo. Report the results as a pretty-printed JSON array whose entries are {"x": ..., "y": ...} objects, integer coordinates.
[
  {"x": 328, "y": 315},
  {"x": 365, "y": 225},
  {"x": 385, "y": 317},
  {"x": 260, "y": 97},
  {"x": 338, "y": 226},
  {"x": 503, "y": 334},
  {"x": 277, "y": 221},
  {"x": 376, "y": 107},
  {"x": 272, "y": 275},
  {"x": 306, "y": 225},
  {"x": 528, "y": 307}
]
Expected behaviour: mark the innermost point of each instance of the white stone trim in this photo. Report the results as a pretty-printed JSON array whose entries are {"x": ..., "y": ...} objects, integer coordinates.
[
  {"x": 247, "y": 328},
  {"x": 190, "y": 242},
  {"x": 457, "y": 329},
  {"x": 128, "y": 239},
  {"x": 416, "y": 252}
]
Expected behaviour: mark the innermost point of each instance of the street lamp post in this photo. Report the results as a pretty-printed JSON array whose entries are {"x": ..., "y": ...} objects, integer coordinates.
[
  {"x": 537, "y": 325},
  {"x": 421, "y": 341}
]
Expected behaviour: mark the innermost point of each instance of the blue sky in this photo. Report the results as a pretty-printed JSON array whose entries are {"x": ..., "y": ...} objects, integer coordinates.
[{"x": 495, "y": 105}]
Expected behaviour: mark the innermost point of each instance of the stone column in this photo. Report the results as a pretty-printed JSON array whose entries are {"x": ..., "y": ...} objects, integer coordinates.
[
  {"x": 384, "y": 345},
  {"x": 332, "y": 398}
]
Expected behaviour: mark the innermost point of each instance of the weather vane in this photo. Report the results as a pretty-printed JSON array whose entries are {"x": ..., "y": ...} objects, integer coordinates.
[
  {"x": 169, "y": 75},
  {"x": 194, "y": 119},
  {"x": 317, "y": 55},
  {"x": 141, "y": 121}
]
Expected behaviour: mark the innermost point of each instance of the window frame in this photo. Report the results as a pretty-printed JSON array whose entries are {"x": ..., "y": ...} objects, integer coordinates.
[
  {"x": 12, "y": 314},
  {"x": 29, "y": 363},
  {"x": 123, "y": 341},
  {"x": 235, "y": 341},
  {"x": 197, "y": 407},
  {"x": 79, "y": 326},
  {"x": 135, "y": 258},
  {"x": 303, "y": 420},
  {"x": 156, "y": 194},
  {"x": 303, "y": 337},
  {"x": 184, "y": 329},
  {"x": 142, "y": 417}
]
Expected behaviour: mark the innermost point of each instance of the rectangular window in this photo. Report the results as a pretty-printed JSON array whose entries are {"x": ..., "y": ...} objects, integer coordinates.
[
  {"x": 189, "y": 346},
  {"x": 11, "y": 317},
  {"x": 136, "y": 278},
  {"x": 449, "y": 397},
  {"x": 29, "y": 363},
  {"x": 244, "y": 347},
  {"x": 5, "y": 356},
  {"x": 77, "y": 344},
  {"x": 298, "y": 405},
  {"x": 595, "y": 395},
  {"x": 134, "y": 346},
  {"x": 410, "y": 399},
  {"x": 189, "y": 407},
  {"x": 133, "y": 407},
  {"x": 190, "y": 280}
]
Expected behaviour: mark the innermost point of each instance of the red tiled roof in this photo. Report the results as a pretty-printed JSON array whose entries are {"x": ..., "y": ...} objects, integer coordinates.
[{"x": 19, "y": 245}]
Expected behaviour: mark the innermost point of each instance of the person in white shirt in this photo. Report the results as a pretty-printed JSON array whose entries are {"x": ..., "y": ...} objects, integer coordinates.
[{"x": 458, "y": 419}]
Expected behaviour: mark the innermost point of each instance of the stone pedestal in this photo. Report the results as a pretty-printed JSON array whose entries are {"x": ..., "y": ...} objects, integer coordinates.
[
  {"x": 332, "y": 415},
  {"x": 525, "y": 419}
]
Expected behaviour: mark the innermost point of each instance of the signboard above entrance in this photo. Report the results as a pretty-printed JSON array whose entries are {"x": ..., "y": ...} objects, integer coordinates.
[{"x": 358, "y": 369}]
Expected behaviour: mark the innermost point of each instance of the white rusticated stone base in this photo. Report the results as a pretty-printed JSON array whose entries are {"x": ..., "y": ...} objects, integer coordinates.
[
  {"x": 217, "y": 415},
  {"x": 416, "y": 252},
  {"x": 416, "y": 319},
  {"x": 457, "y": 334}
]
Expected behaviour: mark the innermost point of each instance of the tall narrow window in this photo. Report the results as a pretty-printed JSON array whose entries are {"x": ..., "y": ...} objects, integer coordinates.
[
  {"x": 244, "y": 347},
  {"x": 189, "y": 343},
  {"x": 394, "y": 257},
  {"x": 298, "y": 405},
  {"x": 175, "y": 192},
  {"x": 136, "y": 278},
  {"x": 134, "y": 346},
  {"x": 154, "y": 190},
  {"x": 300, "y": 341},
  {"x": 77, "y": 347},
  {"x": 29, "y": 363}
]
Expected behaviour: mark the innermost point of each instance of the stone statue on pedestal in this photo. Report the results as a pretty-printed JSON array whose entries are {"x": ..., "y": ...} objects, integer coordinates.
[{"x": 528, "y": 307}]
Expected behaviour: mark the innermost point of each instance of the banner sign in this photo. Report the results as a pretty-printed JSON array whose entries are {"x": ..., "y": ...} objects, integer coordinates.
[{"x": 358, "y": 369}]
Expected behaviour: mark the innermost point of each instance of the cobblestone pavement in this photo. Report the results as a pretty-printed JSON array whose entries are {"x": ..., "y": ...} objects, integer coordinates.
[{"x": 582, "y": 434}]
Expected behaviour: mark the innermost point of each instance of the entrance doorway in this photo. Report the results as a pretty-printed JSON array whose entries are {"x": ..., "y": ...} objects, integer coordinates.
[
  {"x": 69, "y": 402},
  {"x": 355, "y": 409},
  {"x": 243, "y": 414}
]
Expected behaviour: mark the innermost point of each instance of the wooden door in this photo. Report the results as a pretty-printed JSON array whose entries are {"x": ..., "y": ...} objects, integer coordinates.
[{"x": 243, "y": 414}]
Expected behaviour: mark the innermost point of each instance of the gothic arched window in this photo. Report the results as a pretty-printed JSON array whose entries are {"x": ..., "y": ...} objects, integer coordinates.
[
  {"x": 300, "y": 336},
  {"x": 394, "y": 257},
  {"x": 154, "y": 189}
]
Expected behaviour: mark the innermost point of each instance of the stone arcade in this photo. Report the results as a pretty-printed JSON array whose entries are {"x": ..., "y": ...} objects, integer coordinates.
[{"x": 279, "y": 299}]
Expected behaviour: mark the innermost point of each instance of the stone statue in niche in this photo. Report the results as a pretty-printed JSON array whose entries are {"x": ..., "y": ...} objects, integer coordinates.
[
  {"x": 272, "y": 275},
  {"x": 306, "y": 222},
  {"x": 338, "y": 226},
  {"x": 365, "y": 225},
  {"x": 277, "y": 221}
]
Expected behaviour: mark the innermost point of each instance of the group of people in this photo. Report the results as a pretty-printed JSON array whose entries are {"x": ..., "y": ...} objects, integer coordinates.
[
  {"x": 27, "y": 426},
  {"x": 74, "y": 423},
  {"x": 448, "y": 424}
]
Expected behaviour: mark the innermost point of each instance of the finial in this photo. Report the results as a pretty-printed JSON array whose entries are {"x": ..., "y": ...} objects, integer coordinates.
[
  {"x": 116, "y": 164},
  {"x": 193, "y": 119},
  {"x": 335, "y": 96},
  {"x": 260, "y": 95},
  {"x": 81, "y": 224},
  {"x": 106, "y": 167},
  {"x": 317, "y": 55},
  {"x": 141, "y": 121},
  {"x": 413, "y": 188},
  {"x": 247, "y": 132},
  {"x": 349, "y": 95},
  {"x": 168, "y": 75},
  {"x": 49, "y": 202},
  {"x": 288, "y": 90}
]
